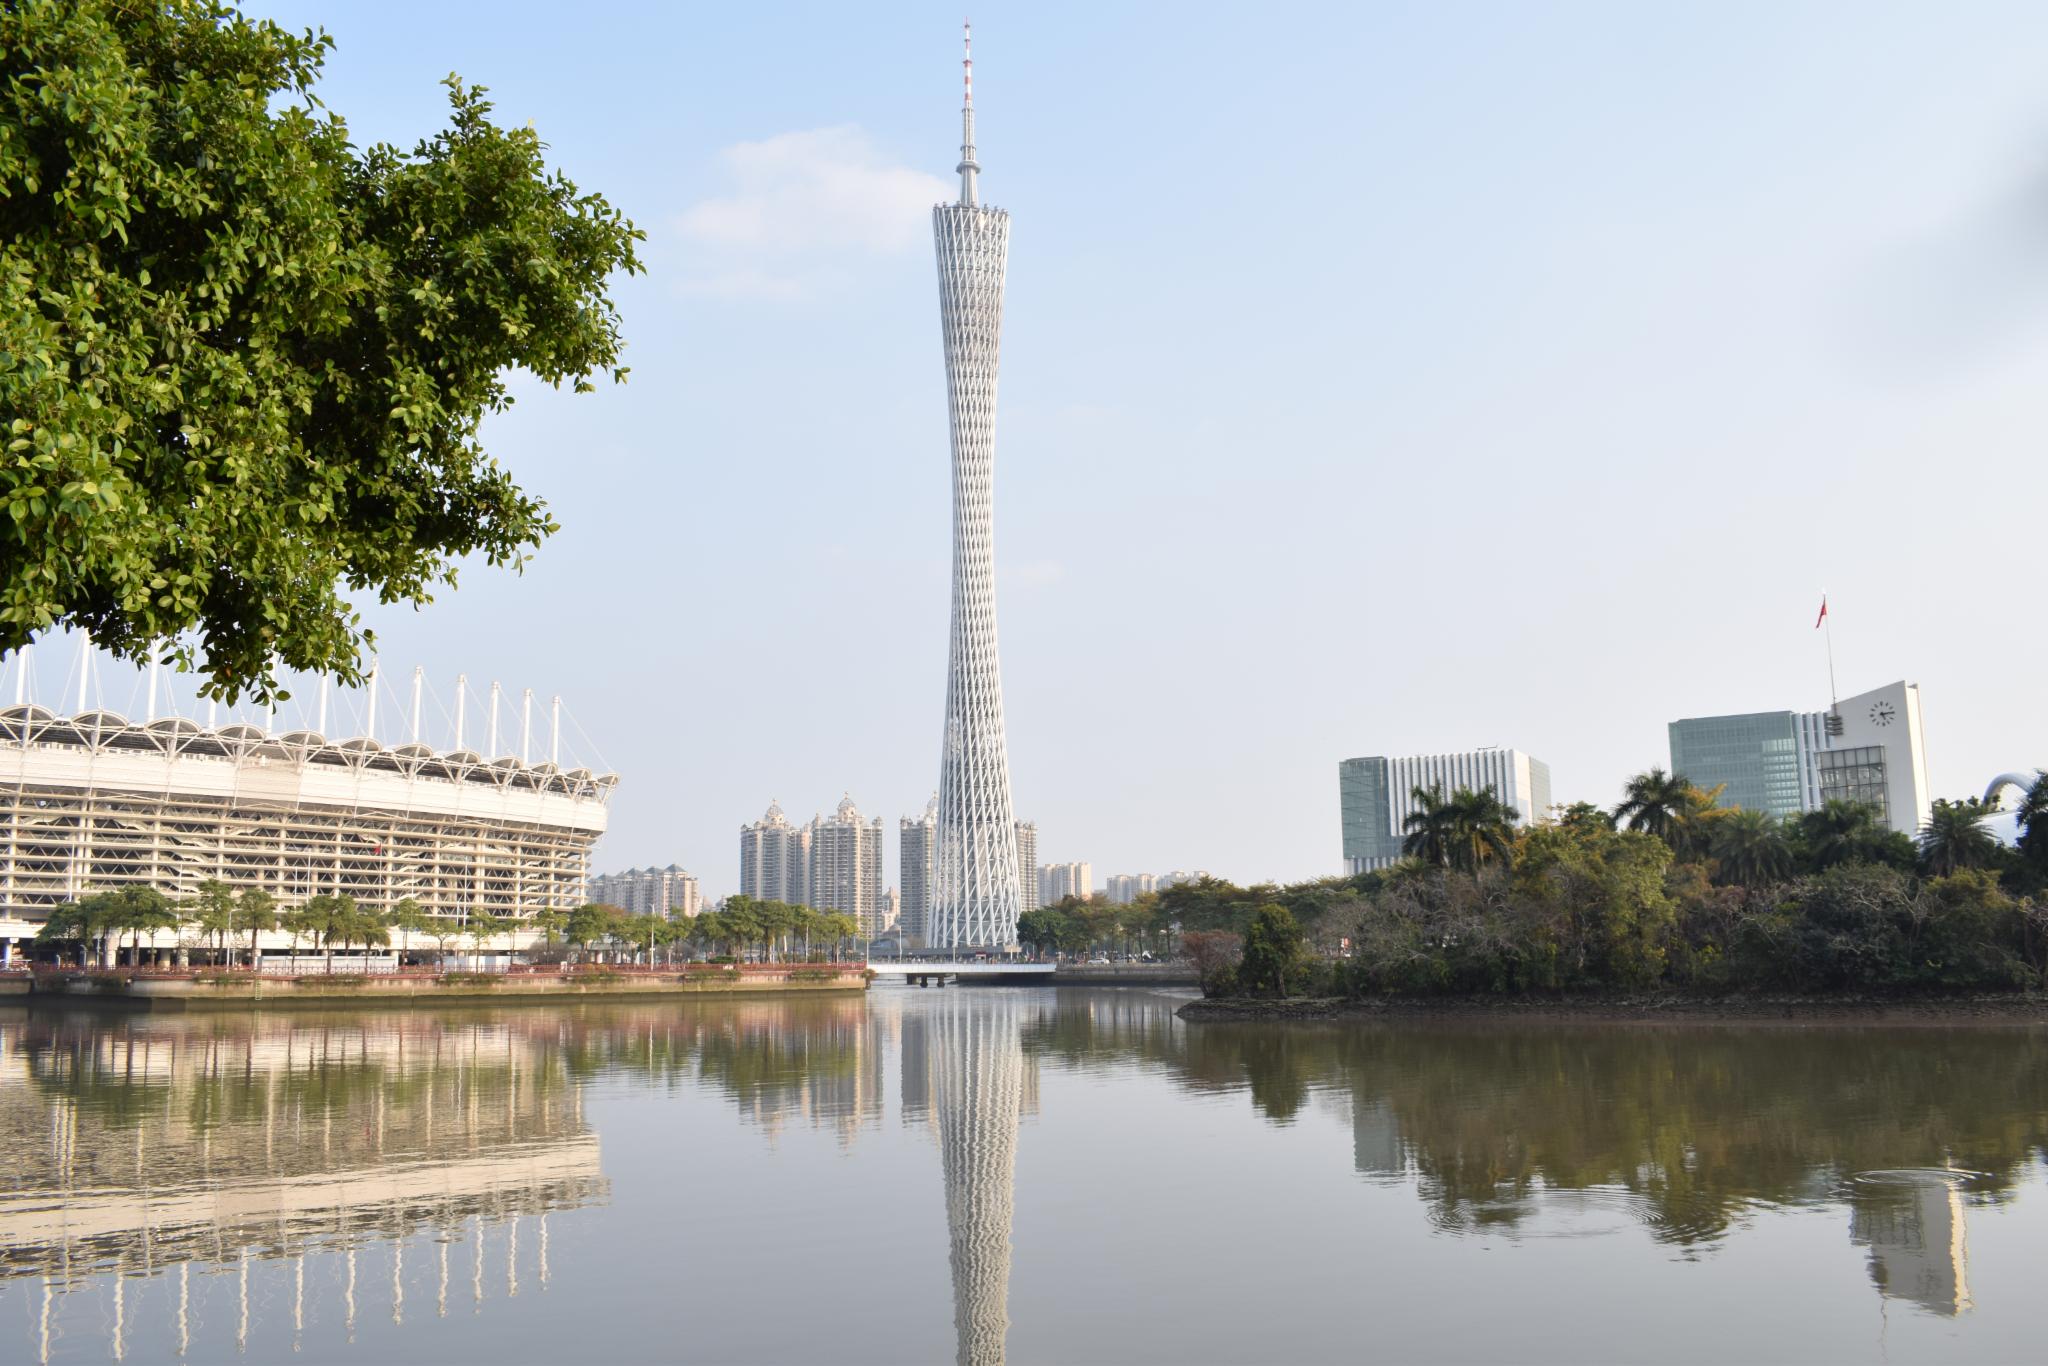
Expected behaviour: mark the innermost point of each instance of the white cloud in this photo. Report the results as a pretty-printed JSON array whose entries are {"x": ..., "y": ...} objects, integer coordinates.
[{"x": 803, "y": 207}]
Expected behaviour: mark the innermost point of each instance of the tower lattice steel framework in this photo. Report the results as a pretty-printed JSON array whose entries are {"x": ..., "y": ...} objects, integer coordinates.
[{"x": 975, "y": 896}]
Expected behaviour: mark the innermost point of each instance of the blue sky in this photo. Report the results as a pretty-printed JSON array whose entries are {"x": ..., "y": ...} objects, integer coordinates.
[{"x": 1376, "y": 379}]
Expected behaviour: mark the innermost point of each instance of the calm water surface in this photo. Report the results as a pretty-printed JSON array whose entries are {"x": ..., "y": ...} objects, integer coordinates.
[{"x": 1022, "y": 1174}]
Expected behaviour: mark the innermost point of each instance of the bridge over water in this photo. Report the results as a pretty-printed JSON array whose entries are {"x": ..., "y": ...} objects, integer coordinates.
[
  {"x": 936, "y": 971},
  {"x": 1013, "y": 972}
]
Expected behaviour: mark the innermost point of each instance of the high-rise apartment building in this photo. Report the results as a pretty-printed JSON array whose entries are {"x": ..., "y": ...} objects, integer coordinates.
[
  {"x": 846, "y": 866},
  {"x": 1058, "y": 881},
  {"x": 1124, "y": 888},
  {"x": 914, "y": 849},
  {"x": 1027, "y": 858},
  {"x": 775, "y": 863},
  {"x": 890, "y": 914},
  {"x": 1375, "y": 795},
  {"x": 1868, "y": 748},
  {"x": 648, "y": 891},
  {"x": 977, "y": 892}
]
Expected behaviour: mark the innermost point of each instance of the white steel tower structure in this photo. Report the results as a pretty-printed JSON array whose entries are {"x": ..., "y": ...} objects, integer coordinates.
[{"x": 975, "y": 896}]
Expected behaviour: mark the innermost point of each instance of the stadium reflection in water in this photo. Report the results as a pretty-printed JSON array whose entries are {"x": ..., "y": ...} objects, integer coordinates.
[
  {"x": 418, "y": 1183},
  {"x": 139, "y": 1146}
]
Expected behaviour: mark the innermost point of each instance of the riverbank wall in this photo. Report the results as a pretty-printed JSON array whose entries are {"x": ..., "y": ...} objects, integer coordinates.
[
  {"x": 242, "y": 990},
  {"x": 1125, "y": 975},
  {"x": 2025, "y": 1008}
]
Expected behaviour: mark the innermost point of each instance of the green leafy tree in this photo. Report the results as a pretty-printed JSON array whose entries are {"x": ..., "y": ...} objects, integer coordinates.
[
  {"x": 245, "y": 363},
  {"x": 2033, "y": 824},
  {"x": 1750, "y": 848},
  {"x": 364, "y": 926},
  {"x": 1589, "y": 908},
  {"x": 589, "y": 924},
  {"x": 1850, "y": 832},
  {"x": 299, "y": 923},
  {"x": 1584, "y": 815},
  {"x": 838, "y": 927},
  {"x": 1039, "y": 929},
  {"x": 84, "y": 922},
  {"x": 741, "y": 920},
  {"x": 482, "y": 927},
  {"x": 145, "y": 910},
  {"x": 1273, "y": 953},
  {"x": 409, "y": 918},
  {"x": 327, "y": 918},
  {"x": 444, "y": 930},
  {"x": 708, "y": 929},
  {"x": 551, "y": 924},
  {"x": 1955, "y": 838},
  {"x": 644, "y": 932},
  {"x": 214, "y": 911}
]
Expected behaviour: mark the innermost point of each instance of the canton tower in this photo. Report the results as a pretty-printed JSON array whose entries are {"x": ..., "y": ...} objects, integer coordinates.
[{"x": 975, "y": 892}]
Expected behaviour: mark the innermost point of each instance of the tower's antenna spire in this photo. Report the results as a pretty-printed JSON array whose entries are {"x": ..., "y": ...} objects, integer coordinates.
[{"x": 968, "y": 166}]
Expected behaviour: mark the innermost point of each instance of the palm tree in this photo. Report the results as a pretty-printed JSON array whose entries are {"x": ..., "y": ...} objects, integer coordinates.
[
  {"x": 2033, "y": 821},
  {"x": 1954, "y": 837},
  {"x": 1655, "y": 802},
  {"x": 1840, "y": 832},
  {"x": 1430, "y": 830},
  {"x": 1483, "y": 827},
  {"x": 257, "y": 912},
  {"x": 1750, "y": 848}
]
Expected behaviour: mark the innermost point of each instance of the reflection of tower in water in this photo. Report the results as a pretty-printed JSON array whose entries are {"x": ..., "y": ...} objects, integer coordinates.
[
  {"x": 979, "y": 1087},
  {"x": 1912, "y": 1222}
]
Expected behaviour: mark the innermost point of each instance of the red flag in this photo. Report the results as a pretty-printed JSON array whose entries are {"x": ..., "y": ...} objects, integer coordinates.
[{"x": 1823, "y": 612}]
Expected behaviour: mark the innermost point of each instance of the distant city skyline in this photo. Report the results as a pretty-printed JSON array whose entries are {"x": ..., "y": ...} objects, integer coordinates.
[{"x": 1569, "y": 299}]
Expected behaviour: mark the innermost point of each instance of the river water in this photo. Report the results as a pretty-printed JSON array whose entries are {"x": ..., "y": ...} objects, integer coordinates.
[{"x": 1030, "y": 1174}]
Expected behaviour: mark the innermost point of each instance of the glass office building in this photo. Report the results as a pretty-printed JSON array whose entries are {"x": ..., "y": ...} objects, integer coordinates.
[
  {"x": 1868, "y": 748},
  {"x": 1756, "y": 758},
  {"x": 1376, "y": 795}
]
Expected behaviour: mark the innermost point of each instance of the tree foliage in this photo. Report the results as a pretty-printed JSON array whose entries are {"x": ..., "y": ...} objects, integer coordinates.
[{"x": 244, "y": 362}]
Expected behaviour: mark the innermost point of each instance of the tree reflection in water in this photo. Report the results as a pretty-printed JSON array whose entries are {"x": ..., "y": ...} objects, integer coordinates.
[
  {"x": 139, "y": 1145},
  {"x": 1691, "y": 1127}
]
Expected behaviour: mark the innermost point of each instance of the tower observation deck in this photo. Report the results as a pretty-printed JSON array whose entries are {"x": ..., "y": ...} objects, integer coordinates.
[{"x": 976, "y": 894}]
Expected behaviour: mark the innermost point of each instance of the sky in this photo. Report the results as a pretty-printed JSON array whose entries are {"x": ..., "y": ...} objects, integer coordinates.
[{"x": 1376, "y": 379}]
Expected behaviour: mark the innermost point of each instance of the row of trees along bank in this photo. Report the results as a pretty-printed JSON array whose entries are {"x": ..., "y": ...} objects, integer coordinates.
[
  {"x": 1667, "y": 892},
  {"x": 221, "y": 926}
]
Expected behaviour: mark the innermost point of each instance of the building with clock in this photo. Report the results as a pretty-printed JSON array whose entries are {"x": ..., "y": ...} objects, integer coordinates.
[{"x": 1869, "y": 748}]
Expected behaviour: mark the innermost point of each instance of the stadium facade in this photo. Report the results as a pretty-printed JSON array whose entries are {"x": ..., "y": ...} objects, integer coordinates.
[{"x": 94, "y": 802}]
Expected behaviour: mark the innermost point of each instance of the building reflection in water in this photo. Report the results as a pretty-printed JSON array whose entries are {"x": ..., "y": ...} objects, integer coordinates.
[
  {"x": 138, "y": 1148},
  {"x": 1914, "y": 1225},
  {"x": 1687, "y": 1133},
  {"x": 966, "y": 1078},
  {"x": 414, "y": 1158}
]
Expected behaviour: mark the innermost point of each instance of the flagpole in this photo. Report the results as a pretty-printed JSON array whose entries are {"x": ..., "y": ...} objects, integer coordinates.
[{"x": 1827, "y": 623}]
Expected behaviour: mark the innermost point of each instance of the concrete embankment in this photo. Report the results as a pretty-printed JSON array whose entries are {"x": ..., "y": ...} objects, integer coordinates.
[
  {"x": 240, "y": 990},
  {"x": 1125, "y": 975},
  {"x": 2020, "y": 1008}
]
